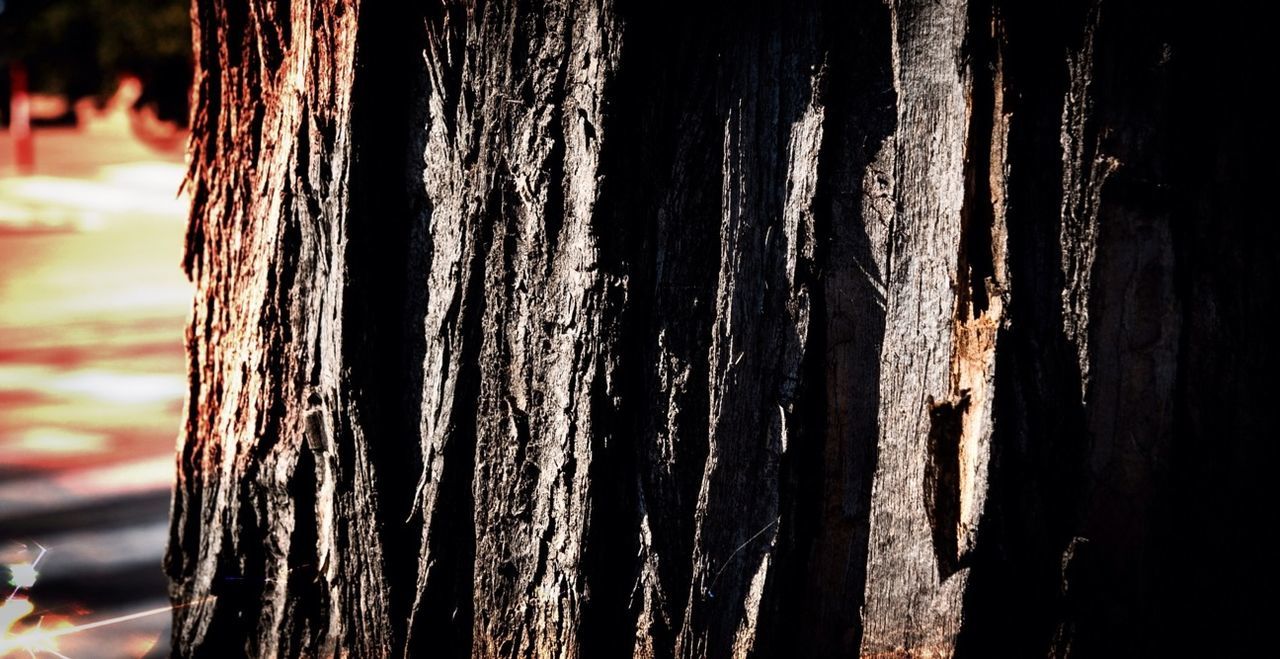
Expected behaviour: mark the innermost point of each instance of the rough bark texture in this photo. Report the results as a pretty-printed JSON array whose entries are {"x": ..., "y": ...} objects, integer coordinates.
[{"x": 601, "y": 328}]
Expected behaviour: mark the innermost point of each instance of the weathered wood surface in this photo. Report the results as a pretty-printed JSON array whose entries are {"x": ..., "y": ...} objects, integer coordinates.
[{"x": 595, "y": 329}]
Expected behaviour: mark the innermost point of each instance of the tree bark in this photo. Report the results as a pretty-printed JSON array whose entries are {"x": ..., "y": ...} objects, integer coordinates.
[{"x": 595, "y": 328}]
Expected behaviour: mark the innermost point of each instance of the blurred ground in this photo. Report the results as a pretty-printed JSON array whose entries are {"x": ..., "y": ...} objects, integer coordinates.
[{"x": 92, "y": 308}]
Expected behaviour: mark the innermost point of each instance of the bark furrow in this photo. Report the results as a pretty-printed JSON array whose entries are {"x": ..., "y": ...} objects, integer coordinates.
[{"x": 596, "y": 328}]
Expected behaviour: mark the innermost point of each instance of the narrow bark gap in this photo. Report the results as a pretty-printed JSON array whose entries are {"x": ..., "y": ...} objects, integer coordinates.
[
  {"x": 791, "y": 605},
  {"x": 1014, "y": 594},
  {"x": 607, "y": 621},
  {"x": 640, "y": 138},
  {"x": 304, "y": 179},
  {"x": 253, "y": 125},
  {"x": 235, "y": 30},
  {"x": 444, "y": 64},
  {"x": 558, "y": 122},
  {"x": 379, "y": 253},
  {"x": 942, "y": 480},
  {"x": 193, "y": 245},
  {"x": 237, "y": 585},
  {"x": 553, "y": 177},
  {"x": 853, "y": 205},
  {"x": 523, "y": 27},
  {"x": 681, "y": 196},
  {"x": 977, "y": 215},
  {"x": 272, "y": 31},
  {"x": 444, "y": 618},
  {"x": 305, "y": 613}
]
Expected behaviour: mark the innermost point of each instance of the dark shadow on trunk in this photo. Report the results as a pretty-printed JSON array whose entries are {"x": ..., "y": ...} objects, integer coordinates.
[
  {"x": 829, "y": 472},
  {"x": 664, "y": 193},
  {"x": 1015, "y": 593},
  {"x": 1217, "y": 567},
  {"x": 388, "y": 249}
]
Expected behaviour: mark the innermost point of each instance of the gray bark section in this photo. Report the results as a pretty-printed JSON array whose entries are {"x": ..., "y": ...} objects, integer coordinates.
[
  {"x": 908, "y": 603},
  {"x": 591, "y": 328}
]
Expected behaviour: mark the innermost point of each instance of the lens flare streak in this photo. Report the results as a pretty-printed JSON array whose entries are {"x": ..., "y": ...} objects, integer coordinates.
[{"x": 35, "y": 640}]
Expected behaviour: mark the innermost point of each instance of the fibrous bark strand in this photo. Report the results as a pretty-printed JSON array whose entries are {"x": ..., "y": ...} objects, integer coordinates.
[{"x": 592, "y": 328}]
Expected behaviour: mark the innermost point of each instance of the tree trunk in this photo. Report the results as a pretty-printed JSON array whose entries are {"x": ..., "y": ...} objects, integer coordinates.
[{"x": 608, "y": 328}]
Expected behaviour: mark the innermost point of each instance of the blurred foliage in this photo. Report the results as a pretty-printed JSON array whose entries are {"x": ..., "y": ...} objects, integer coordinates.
[{"x": 80, "y": 48}]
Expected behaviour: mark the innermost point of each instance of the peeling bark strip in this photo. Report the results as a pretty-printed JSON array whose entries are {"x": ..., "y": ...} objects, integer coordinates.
[{"x": 591, "y": 328}]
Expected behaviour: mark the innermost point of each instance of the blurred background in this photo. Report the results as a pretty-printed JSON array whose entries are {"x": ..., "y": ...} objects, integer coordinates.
[{"x": 93, "y": 102}]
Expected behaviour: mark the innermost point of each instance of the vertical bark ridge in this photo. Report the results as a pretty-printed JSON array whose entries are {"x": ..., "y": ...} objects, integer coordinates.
[
  {"x": 1084, "y": 171},
  {"x": 909, "y": 605},
  {"x": 261, "y": 257},
  {"x": 441, "y": 613},
  {"x": 547, "y": 341},
  {"x": 544, "y": 293},
  {"x": 624, "y": 328},
  {"x": 772, "y": 127}
]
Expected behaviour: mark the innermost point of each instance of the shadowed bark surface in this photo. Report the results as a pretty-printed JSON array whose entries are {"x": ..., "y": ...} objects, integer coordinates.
[{"x": 600, "y": 329}]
